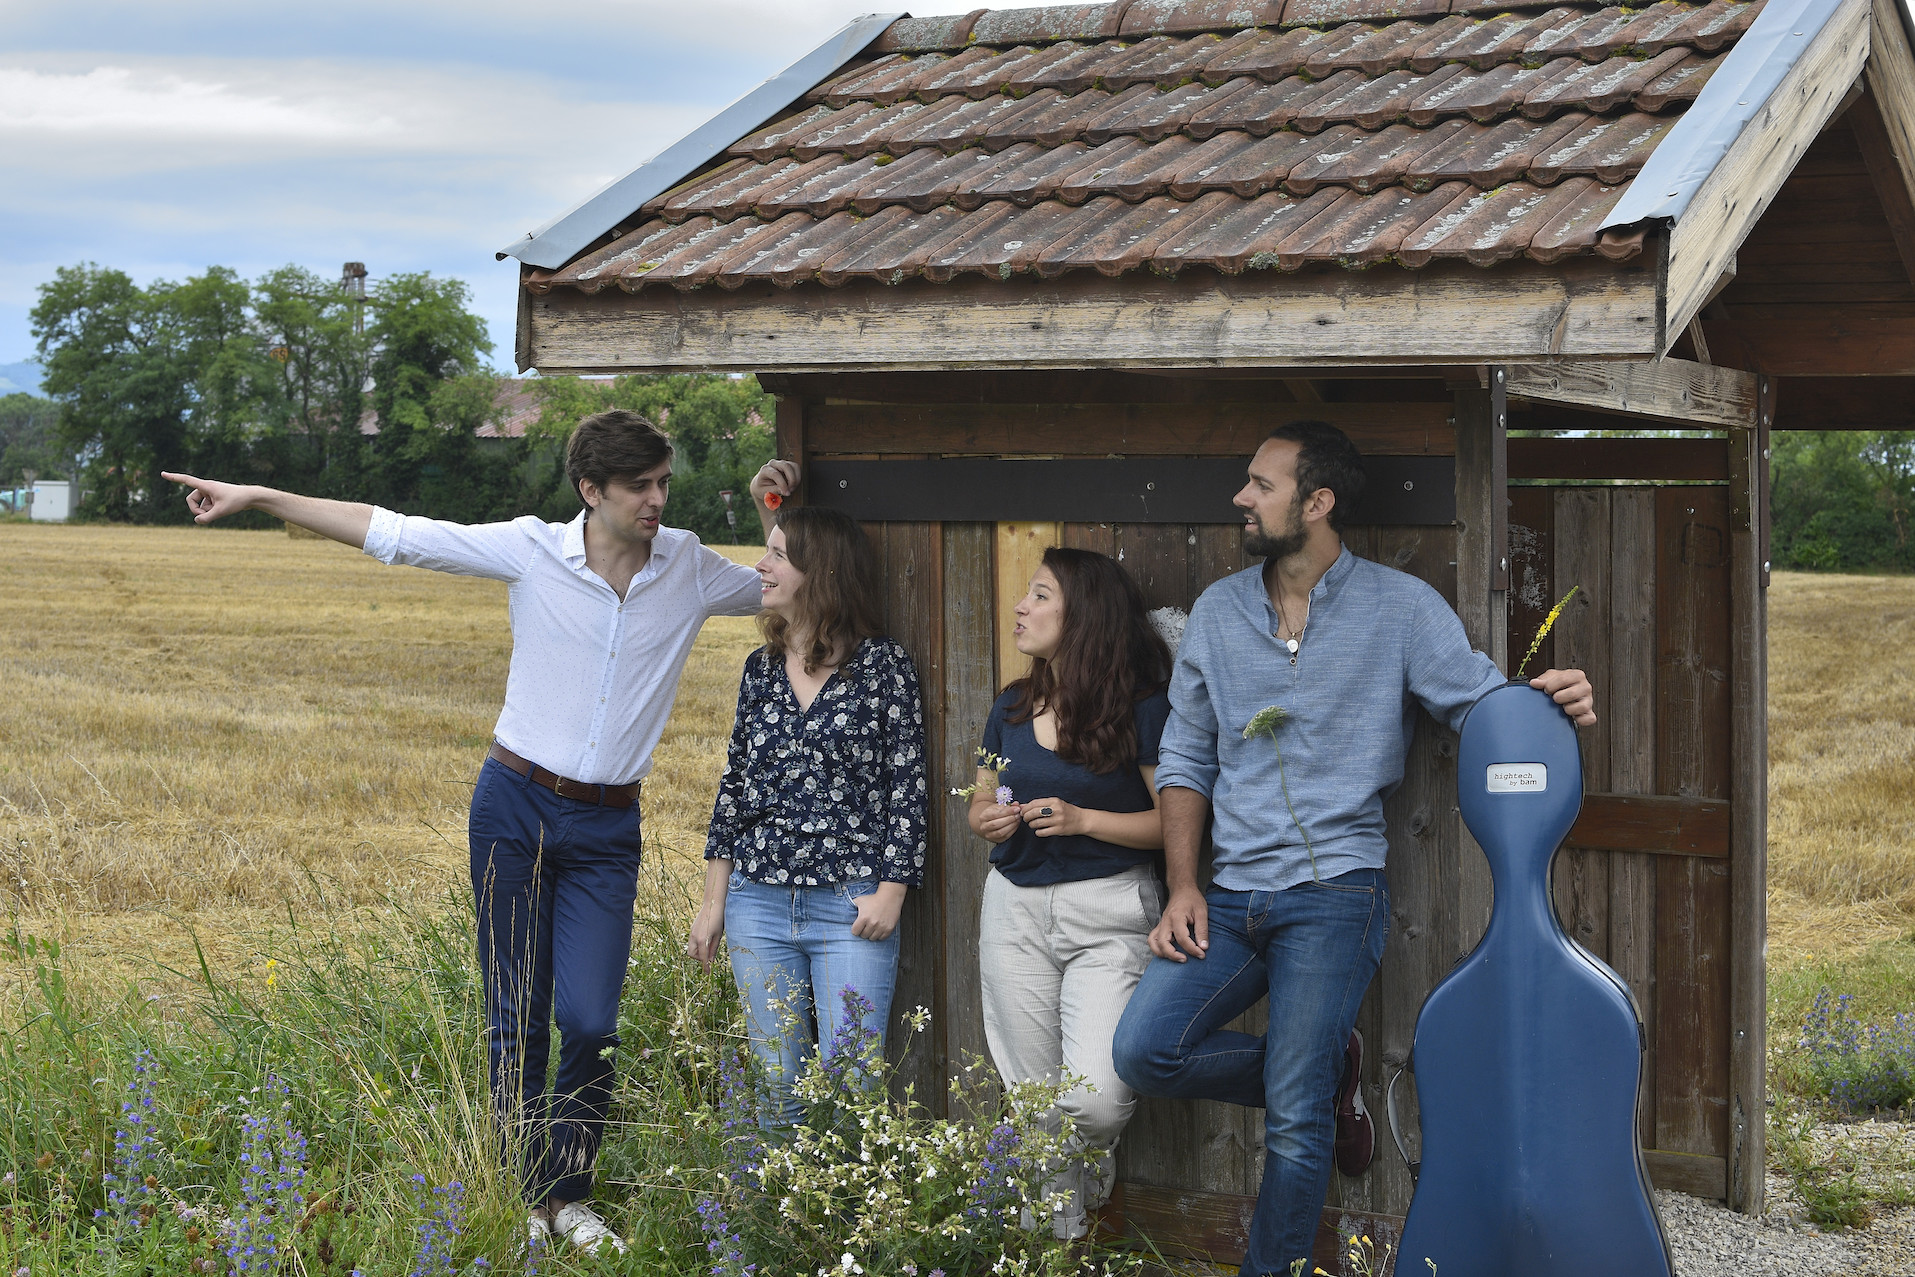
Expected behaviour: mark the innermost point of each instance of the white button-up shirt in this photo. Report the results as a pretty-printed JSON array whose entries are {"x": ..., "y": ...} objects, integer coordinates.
[{"x": 592, "y": 676}]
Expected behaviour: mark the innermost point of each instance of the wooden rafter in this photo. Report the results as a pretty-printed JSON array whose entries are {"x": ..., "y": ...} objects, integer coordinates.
[
  {"x": 1677, "y": 391},
  {"x": 1884, "y": 125},
  {"x": 1739, "y": 189}
]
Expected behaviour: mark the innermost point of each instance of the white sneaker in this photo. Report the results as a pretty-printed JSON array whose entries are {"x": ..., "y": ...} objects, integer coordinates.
[
  {"x": 580, "y": 1224},
  {"x": 538, "y": 1232}
]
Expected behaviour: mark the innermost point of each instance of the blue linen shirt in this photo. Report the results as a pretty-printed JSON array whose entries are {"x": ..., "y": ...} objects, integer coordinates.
[
  {"x": 830, "y": 793},
  {"x": 1378, "y": 643}
]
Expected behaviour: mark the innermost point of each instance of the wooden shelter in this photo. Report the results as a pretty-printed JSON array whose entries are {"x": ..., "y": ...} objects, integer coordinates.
[{"x": 1049, "y": 275}]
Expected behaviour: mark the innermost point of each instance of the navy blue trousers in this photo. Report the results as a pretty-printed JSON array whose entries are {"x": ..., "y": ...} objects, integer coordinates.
[{"x": 555, "y": 880}]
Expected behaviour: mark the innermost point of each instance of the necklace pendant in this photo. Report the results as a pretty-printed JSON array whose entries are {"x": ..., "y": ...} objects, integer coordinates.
[{"x": 1292, "y": 644}]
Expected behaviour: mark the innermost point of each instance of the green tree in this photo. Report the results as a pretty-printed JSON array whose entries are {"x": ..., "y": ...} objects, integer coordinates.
[
  {"x": 314, "y": 334},
  {"x": 719, "y": 426},
  {"x": 29, "y": 440},
  {"x": 1843, "y": 500}
]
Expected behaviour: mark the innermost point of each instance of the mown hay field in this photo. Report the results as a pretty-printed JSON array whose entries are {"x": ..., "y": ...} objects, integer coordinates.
[{"x": 210, "y": 733}]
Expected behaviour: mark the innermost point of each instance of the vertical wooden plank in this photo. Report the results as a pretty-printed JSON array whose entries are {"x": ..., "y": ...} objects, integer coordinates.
[
  {"x": 1628, "y": 706},
  {"x": 1101, "y": 537},
  {"x": 970, "y": 685},
  {"x": 1581, "y": 641},
  {"x": 1423, "y": 867},
  {"x": 1157, "y": 555},
  {"x": 788, "y": 425},
  {"x": 1481, "y": 518},
  {"x": 1692, "y": 760},
  {"x": 908, "y": 557},
  {"x": 1218, "y": 554},
  {"x": 1748, "y": 821},
  {"x": 1532, "y": 572},
  {"x": 1020, "y": 548}
]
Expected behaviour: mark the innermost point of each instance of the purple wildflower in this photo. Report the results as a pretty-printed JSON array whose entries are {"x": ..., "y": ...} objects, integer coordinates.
[
  {"x": 442, "y": 1220},
  {"x": 135, "y": 1156},
  {"x": 273, "y": 1181},
  {"x": 1004, "y": 796},
  {"x": 996, "y": 1185}
]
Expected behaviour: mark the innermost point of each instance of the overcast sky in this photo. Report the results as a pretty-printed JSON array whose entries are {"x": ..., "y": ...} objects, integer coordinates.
[{"x": 165, "y": 137}]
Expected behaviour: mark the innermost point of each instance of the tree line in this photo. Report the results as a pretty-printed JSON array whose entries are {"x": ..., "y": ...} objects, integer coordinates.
[
  {"x": 279, "y": 380},
  {"x": 290, "y": 381}
]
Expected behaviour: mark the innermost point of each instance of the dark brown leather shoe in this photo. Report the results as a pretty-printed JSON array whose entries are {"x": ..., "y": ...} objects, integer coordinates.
[{"x": 1356, "y": 1133}]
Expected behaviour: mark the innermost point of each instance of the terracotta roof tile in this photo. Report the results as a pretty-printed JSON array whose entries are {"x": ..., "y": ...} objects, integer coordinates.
[
  {"x": 1603, "y": 86},
  {"x": 1150, "y": 115},
  {"x": 1365, "y": 161},
  {"x": 1235, "y": 238},
  {"x": 1057, "y": 22},
  {"x": 1321, "y": 13},
  {"x": 925, "y": 179},
  {"x": 1489, "y": 95},
  {"x": 1058, "y": 66},
  {"x": 1489, "y": 156},
  {"x": 1375, "y": 103},
  {"x": 1361, "y": 230},
  {"x": 1572, "y": 225},
  {"x": 1261, "y": 108},
  {"x": 1268, "y": 55},
  {"x": 1243, "y": 163},
  {"x": 1610, "y": 150},
  {"x": 1146, "y": 16},
  {"x": 1680, "y": 84},
  {"x": 1487, "y": 227},
  {"x": 1231, "y": 134},
  {"x": 852, "y": 85}
]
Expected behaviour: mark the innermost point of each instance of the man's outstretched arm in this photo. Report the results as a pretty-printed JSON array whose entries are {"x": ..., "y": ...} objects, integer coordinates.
[{"x": 209, "y": 499}]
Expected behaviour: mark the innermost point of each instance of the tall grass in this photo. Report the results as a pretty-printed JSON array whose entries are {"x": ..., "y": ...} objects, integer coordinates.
[{"x": 377, "y": 1041}]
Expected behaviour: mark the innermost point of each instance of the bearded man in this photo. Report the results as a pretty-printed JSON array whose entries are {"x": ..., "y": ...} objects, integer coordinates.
[{"x": 1298, "y": 908}]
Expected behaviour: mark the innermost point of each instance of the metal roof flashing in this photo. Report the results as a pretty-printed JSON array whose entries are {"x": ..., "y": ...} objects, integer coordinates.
[
  {"x": 1738, "y": 92},
  {"x": 572, "y": 232}
]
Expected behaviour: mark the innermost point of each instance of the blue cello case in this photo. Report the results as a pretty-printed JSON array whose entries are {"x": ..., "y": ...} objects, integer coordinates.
[{"x": 1528, "y": 1056}]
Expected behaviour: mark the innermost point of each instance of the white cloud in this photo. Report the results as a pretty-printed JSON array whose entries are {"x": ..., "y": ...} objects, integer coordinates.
[{"x": 116, "y": 101}]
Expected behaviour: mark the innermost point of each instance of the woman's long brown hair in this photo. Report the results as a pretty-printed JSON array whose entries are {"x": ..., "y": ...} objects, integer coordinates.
[
  {"x": 1108, "y": 658},
  {"x": 838, "y": 602}
]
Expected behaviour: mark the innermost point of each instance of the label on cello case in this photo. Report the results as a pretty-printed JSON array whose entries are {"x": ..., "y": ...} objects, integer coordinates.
[{"x": 1518, "y": 778}]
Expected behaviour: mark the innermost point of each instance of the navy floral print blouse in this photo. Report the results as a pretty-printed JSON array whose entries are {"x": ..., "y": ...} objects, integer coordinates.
[{"x": 834, "y": 793}]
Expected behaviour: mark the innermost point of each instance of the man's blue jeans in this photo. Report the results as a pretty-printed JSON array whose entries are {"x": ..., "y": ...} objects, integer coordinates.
[
  {"x": 555, "y": 880},
  {"x": 793, "y": 955},
  {"x": 1312, "y": 950}
]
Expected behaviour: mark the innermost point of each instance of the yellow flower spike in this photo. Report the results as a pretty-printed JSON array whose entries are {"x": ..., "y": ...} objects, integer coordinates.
[{"x": 1543, "y": 632}]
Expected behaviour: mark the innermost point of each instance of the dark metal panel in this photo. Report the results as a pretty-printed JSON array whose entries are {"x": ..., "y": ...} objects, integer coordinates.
[{"x": 1402, "y": 490}]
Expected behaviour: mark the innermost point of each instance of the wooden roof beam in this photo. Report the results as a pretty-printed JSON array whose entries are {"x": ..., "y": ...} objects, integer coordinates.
[
  {"x": 1443, "y": 314},
  {"x": 1742, "y": 183},
  {"x": 1678, "y": 392},
  {"x": 1884, "y": 125}
]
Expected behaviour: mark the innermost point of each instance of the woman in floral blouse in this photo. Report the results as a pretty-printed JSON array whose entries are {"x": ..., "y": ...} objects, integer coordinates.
[{"x": 819, "y": 824}]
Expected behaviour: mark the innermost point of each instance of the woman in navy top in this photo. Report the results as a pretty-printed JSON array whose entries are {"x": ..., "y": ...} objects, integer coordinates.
[
  {"x": 819, "y": 825},
  {"x": 1074, "y": 887}
]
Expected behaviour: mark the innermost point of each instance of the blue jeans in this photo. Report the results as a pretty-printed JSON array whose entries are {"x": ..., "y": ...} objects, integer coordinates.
[
  {"x": 555, "y": 880},
  {"x": 1312, "y": 950},
  {"x": 793, "y": 955}
]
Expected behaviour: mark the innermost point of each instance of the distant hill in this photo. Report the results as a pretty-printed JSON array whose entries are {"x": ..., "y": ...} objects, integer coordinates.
[{"x": 24, "y": 375}]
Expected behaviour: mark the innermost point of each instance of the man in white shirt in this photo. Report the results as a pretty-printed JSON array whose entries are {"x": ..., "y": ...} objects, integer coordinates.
[{"x": 604, "y": 611}]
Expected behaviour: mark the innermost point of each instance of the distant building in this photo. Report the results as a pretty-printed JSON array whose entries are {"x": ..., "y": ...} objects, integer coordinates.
[{"x": 52, "y": 501}]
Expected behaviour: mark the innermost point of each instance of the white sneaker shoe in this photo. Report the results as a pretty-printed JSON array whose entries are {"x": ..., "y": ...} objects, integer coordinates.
[
  {"x": 580, "y": 1224},
  {"x": 538, "y": 1231}
]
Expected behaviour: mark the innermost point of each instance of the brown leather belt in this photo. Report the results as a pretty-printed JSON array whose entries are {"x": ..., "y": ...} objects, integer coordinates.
[{"x": 578, "y": 790}]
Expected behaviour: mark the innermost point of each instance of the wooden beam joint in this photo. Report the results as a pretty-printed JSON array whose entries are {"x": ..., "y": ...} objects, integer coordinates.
[{"x": 1682, "y": 392}]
